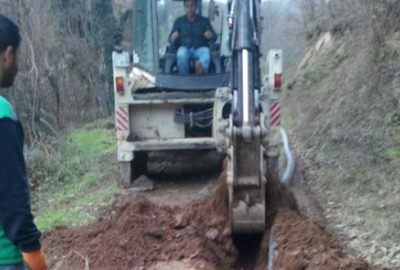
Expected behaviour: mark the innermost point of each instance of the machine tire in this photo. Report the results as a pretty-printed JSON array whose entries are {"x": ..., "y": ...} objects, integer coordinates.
[
  {"x": 138, "y": 165},
  {"x": 130, "y": 170}
]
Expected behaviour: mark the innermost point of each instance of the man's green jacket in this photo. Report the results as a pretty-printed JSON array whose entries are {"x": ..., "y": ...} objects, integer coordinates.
[{"x": 17, "y": 230}]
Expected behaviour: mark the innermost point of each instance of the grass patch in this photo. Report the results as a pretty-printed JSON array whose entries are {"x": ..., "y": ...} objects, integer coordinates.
[
  {"x": 75, "y": 177},
  {"x": 394, "y": 45},
  {"x": 366, "y": 179},
  {"x": 318, "y": 71},
  {"x": 363, "y": 191},
  {"x": 392, "y": 153},
  {"x": 77, "y": 213},
  {"x": 328, "y": 154},
  {"x": 384, "y": 226},
  {"x": 288, "y": 121}
]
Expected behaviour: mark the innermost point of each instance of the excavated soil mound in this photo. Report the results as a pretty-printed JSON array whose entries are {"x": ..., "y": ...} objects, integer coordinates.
[
  {"x": 138, "y": 234},
  {"x": 301, "y": 244}
]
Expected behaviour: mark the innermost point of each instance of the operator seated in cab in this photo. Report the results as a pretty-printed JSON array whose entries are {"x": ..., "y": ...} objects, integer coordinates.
[{"x": 192, "y": 35}]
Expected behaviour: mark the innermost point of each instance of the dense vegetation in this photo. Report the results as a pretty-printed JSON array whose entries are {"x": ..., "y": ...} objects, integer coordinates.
[{"x": 65, "y": 73}]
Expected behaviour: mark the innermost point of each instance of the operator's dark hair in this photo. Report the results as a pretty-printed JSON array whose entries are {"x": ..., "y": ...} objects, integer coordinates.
[
  {"x": 9, "y": 34},
  {"x": 194, "y": 1}
]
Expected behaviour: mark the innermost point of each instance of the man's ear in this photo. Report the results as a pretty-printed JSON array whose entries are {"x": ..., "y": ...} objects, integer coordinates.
[{"x": 8, "y": 55}]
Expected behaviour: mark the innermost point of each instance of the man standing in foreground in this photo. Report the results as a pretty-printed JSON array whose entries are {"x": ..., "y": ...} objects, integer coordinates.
[
  {"x": 19, "y": 237},
  {"x": 192, "y": 33}
]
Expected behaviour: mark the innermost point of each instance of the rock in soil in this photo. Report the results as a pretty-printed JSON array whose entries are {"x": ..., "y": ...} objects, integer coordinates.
[
  {"x": 142, "y": 183},
  {"x": 182, "y": 220}
]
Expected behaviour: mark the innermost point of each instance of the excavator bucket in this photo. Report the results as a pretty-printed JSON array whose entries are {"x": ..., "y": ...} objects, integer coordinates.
[{"x": 246, "y": 184}]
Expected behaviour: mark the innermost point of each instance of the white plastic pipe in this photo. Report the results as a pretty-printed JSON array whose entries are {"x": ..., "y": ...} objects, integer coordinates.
[
  {"x": 287, "y": 176},
  {"x": 271, "y": 251},
  {"x": 286, "y": 179}
]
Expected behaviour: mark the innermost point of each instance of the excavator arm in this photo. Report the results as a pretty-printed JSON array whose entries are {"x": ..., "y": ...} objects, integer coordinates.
[{"x": 246, "y": 152}]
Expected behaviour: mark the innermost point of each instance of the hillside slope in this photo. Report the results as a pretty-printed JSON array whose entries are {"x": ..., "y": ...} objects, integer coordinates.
[{"x": 342, "y": 108}]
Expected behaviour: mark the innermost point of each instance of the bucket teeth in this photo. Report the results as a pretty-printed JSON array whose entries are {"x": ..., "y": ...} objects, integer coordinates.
[{"x": 248, "y": 218}]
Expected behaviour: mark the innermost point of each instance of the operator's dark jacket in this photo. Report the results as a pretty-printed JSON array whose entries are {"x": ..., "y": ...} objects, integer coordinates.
[
  {"x": 191, "y": 34},
  {"x": 17, "y": 230}
]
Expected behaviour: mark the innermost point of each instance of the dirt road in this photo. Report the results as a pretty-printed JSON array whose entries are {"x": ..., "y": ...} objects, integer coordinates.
[{"x": 183, "y": 224}]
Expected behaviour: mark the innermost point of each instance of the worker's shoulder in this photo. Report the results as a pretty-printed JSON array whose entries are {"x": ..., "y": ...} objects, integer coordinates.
[
  {"x": 181, "y": 19},
  {"x": 203, "y": 19},
  {"x": 6, "y": 110}
]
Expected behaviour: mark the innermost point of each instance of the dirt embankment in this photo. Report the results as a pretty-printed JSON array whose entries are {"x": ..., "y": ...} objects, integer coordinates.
[
  {"x": 138, "y": 234},
  {"x": 342, "y": 109},
  {"x": 301, "y": 244}
]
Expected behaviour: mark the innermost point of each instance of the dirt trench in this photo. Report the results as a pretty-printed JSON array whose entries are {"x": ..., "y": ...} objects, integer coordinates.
[{"x": 141, "y": 234}]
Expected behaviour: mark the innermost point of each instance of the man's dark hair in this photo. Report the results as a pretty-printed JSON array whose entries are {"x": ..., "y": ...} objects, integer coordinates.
[
  {"x": 194, "y": 1},
  {"x": 9, "y": 34}
]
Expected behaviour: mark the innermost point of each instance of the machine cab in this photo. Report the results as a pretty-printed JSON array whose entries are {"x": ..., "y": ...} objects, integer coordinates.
[{"x": 152, "y": 24}]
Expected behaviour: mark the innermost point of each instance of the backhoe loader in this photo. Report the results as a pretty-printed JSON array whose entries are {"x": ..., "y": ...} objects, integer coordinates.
[{"x": 225, "y": 110}]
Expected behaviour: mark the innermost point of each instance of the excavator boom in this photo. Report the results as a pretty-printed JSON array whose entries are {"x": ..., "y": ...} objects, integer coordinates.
[{"x": 246, "y": 153}]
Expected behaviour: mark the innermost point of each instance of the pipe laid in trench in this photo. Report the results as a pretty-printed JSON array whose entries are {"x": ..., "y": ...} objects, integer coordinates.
[
  {"x": 286, "y": 179},
  {"x": 287, "y": 176},
  {"x": 272, "y": 244}
]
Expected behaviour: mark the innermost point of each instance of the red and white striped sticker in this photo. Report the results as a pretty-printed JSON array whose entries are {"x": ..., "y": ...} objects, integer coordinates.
[
  {"x": 275, "y": 114},
  {"x": 122, "y": 119}
]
